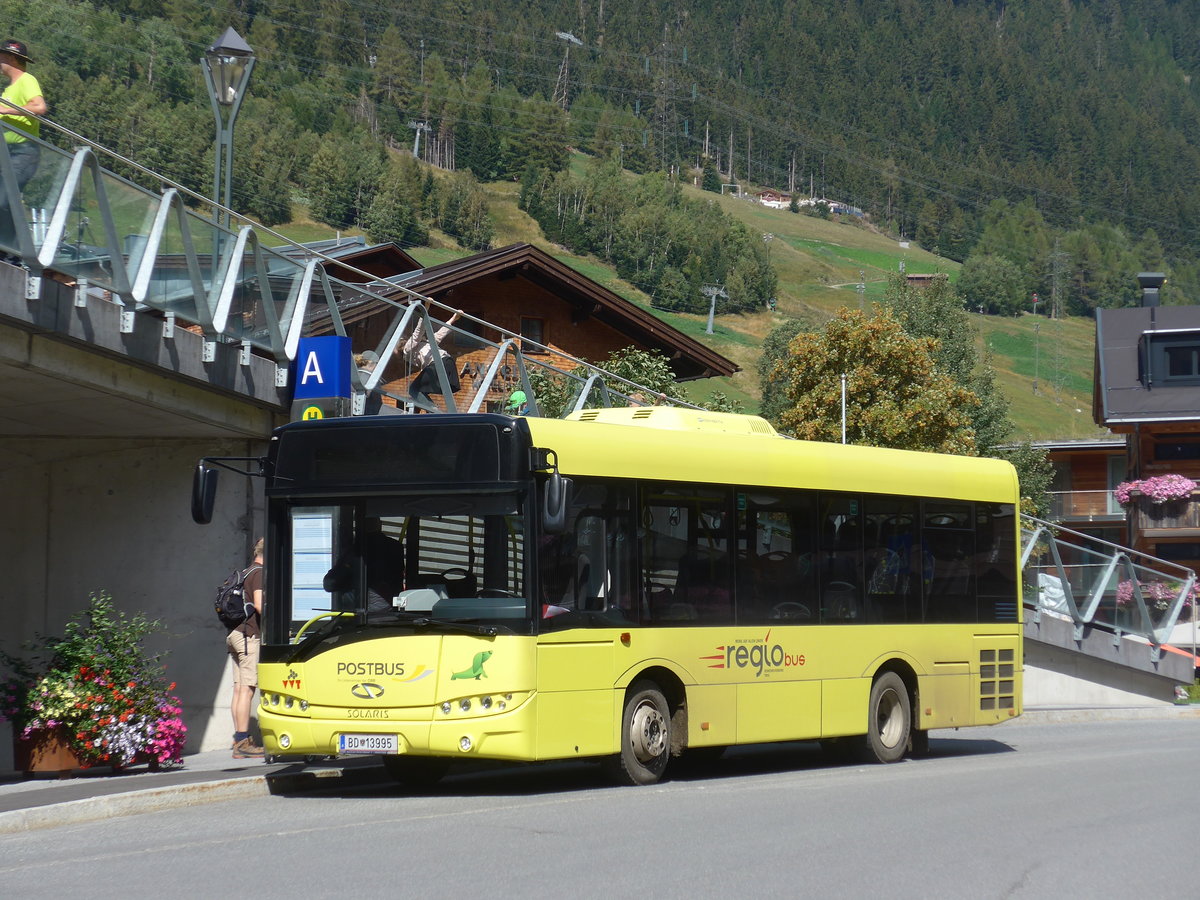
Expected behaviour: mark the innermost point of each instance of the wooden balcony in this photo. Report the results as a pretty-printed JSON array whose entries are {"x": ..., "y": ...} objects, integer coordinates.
[{"x": 1173, "y": 519}]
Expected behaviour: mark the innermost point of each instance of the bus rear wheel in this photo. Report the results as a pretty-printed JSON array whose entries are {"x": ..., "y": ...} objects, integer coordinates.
[
  {"x": 645, "y": 736},
  {"x": 889, "y": 721},
  {"x": 415, "y": 772}
]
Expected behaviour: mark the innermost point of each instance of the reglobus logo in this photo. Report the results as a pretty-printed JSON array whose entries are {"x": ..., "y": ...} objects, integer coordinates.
[{"x": 758, "y": 654}]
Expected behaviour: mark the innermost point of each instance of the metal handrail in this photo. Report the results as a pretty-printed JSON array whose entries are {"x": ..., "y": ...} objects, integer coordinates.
[{"x": 1140, "y": 570}]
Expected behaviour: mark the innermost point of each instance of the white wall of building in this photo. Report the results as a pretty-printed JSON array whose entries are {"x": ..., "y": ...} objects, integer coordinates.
[{"x": 114, "y": 515}]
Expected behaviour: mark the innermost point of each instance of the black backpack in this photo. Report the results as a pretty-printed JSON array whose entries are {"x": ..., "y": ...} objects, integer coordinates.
[{"x": 232, "y": 605}]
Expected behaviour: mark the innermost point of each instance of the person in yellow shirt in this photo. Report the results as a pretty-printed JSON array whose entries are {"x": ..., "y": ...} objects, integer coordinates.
[{"x": 23, "y": 95}]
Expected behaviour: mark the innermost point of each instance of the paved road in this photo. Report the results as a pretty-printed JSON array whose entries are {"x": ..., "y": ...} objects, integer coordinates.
[{"x": 1100, "y": 809}]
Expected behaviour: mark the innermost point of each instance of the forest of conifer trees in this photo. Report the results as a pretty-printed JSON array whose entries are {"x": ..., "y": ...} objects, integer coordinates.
[{"x": 1053, "y": 145}]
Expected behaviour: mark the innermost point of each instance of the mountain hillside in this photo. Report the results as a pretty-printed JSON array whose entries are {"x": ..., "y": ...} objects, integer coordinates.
[{"x": 819, "y": 263}]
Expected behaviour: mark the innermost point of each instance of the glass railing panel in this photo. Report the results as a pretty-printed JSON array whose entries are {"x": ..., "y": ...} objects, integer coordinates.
[
  {"x": 82, "y": 250},
  {"x": 285, "y": 276},
  {"x": 1159, "y": 591},
  {"x": 133, "y": 211},
  {"x": 170, "y": 287},
  {"x": 247, "y": 320},
  {"x": 41, "y": 193}
]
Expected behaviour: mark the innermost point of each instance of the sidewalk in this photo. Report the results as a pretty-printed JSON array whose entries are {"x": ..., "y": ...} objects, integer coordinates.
[
  {"x": 31, "y": 803},
  {"x": 93, "y": 794}
]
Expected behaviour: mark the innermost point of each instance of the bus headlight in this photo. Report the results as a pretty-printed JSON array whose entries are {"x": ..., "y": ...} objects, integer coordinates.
[
  {"x": 446, "y": 707},
  {"x": 464, "y": 704},
  {"x": 464, "y": 744},
  {"x": 285, "y": 741},
  {"x": 485, "y": 702}
]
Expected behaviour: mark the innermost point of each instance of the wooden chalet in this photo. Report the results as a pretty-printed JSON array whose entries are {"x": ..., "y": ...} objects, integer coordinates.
[{"x": 520, "y": 289}]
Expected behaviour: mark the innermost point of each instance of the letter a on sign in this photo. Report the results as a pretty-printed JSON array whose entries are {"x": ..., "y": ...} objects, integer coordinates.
[
  {"x": 312, "y": 370},
  {"x": 322, "y": 368}
]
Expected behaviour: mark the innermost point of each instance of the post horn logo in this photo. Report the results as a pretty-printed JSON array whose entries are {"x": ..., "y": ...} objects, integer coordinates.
[{"x": 367, "y": 691}]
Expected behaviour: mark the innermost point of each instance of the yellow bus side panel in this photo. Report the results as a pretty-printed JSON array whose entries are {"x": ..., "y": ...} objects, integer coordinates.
[
  {"x": 844, "y": 706},
  {"x": 576, "y": 723},
  {"x": 778, "y": 710},
  {"x": 578, "y": 665},
  {"x": 575, "y": 700},
  {"x": 945, "y": 700},
  {"x": 712, "y": 715}
]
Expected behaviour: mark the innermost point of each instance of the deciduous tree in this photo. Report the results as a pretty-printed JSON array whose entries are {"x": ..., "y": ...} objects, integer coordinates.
[{"x": 895, "y": 397}]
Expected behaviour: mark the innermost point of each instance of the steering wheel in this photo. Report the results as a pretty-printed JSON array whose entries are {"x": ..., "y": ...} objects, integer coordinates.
[
  {"x": 790, "y": 609},
  {"x": 456, "y": 573},
  {"x": 494, "y": 592},
  {"x": 776, "y": 556}
]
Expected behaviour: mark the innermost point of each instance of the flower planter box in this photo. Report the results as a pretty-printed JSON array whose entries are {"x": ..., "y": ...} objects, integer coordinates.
[{"x": 45, "y": 753}]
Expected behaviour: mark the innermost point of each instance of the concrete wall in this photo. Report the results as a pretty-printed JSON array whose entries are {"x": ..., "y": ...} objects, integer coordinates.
[
  {"x": 114, "y": 514},
  {"x": 1057, "y": 678}
]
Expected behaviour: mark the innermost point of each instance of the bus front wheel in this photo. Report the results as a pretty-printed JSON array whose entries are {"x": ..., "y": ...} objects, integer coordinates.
[
  {"x": 645, "y": 736},
  {"x": 889, "y": 720}
]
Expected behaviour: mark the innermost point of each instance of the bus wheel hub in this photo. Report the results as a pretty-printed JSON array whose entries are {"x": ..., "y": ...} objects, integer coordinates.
[{"x": 647, "y": 732}]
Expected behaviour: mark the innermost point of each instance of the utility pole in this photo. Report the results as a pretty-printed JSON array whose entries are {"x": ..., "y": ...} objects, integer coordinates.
[
  {"x": 706, "y": 139},
  {"x": 731, "y": 153},
  {"x": 862, "y": 289}
]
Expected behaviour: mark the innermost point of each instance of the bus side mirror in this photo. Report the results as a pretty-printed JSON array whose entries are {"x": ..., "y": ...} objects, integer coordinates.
[
  {"x": 556, "y": 499},
  {"x": 204, "y": 493}
]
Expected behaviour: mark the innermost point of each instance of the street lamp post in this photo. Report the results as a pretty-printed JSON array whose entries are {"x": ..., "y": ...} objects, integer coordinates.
[{"x": 227, "y": 65}]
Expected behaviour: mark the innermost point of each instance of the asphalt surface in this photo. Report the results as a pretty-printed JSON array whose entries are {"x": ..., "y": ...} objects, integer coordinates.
[{"x": 87, "y": 795}]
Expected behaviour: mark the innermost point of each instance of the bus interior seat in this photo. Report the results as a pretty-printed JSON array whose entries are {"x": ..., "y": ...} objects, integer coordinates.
[{"x": 840, "y": 601}]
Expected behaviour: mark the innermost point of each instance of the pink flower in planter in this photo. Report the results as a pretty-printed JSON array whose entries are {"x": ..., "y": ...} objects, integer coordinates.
[{"x": 1158, "y": 489}]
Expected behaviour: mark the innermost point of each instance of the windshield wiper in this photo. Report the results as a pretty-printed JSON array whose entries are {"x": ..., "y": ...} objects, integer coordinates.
[
  {"x": 323, "y": 631},
  {"x": 419, "y": 620}
]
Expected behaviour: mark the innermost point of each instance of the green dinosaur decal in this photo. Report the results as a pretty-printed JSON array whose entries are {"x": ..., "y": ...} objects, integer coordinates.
[{"x": 476, "y": 670}]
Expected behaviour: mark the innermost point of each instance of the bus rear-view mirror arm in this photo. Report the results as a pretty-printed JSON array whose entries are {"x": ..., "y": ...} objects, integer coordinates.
[
  {"x": 556, "y": 492},
  {"x": 204, "y": 482}
]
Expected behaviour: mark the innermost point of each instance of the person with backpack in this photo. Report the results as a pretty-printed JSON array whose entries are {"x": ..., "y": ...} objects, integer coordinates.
[{"x": 243, "y": 644}]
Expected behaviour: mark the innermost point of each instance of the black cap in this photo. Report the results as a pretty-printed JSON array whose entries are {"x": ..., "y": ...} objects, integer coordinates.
[{"x": 16, "y": 48}]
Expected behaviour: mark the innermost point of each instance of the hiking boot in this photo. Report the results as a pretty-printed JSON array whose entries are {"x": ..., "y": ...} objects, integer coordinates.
[{"x": 247, "y": 749}]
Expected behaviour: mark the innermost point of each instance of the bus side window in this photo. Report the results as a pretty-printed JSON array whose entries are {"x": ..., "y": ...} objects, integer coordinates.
[
  {"x": 841, "y": 558},
  {"x": 948, "y": 540},
  {"x": 586, "y": 573},
  {"x": 892, "y": 561},
  {"x": 995, "y": 562},
  {"x": 775, "y": 572}
]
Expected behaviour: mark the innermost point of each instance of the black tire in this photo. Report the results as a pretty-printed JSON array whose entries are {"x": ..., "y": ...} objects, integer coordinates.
[
  {"x": 889, "y": 721},
  {"x": 645, "y": 736},
  {"x": 415, "y": 772}
]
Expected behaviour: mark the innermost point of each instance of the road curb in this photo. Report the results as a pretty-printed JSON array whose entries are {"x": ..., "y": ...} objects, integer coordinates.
[
  {"x": 92, "y": 809},
  {"x": 1064, "y": 714}
]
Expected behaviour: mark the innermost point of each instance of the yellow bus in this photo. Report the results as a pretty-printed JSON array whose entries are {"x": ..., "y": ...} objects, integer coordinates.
[{"x": 631, "y": 585}]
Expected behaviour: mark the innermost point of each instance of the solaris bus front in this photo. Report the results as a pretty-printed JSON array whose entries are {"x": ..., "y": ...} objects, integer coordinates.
[{"x": 399, "y": 617}]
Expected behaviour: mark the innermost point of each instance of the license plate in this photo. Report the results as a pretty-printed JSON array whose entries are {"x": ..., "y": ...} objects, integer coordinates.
[{"x": 368, "y": 743}]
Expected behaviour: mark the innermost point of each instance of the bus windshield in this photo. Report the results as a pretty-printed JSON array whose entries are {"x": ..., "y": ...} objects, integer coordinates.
[{"x": 419, "y": 560}]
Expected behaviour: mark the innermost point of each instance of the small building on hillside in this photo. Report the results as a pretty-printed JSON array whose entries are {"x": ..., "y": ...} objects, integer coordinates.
[{"x": 774, "y": 199}]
